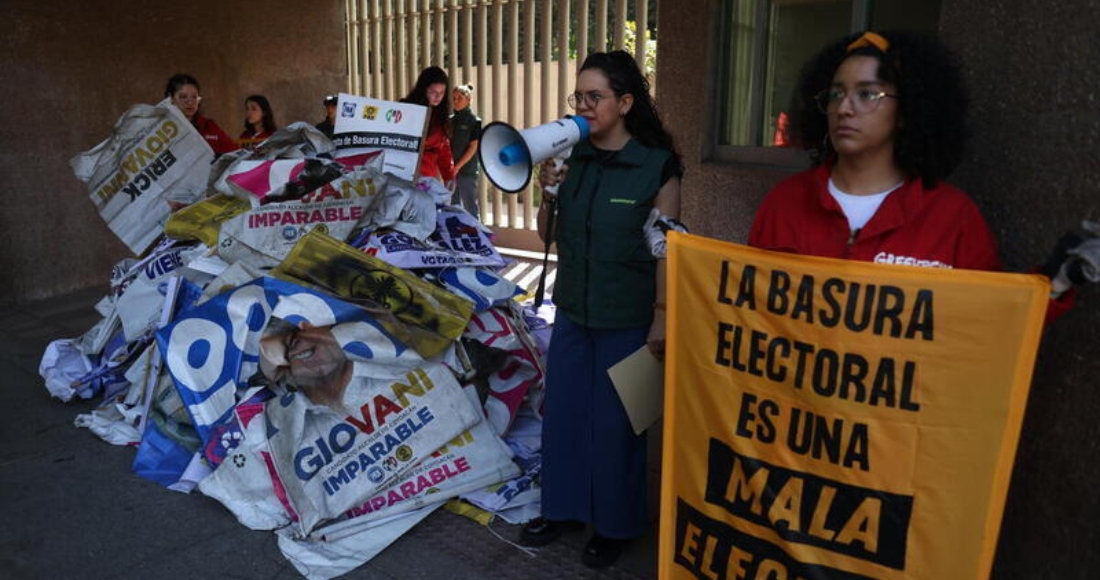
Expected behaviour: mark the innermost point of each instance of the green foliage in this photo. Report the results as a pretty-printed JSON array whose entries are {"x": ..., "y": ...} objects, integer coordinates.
[{"x": 631, "y": 39}]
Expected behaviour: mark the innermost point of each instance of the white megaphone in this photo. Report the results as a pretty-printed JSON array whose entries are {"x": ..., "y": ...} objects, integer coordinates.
[{"x": 508, "y": 155}]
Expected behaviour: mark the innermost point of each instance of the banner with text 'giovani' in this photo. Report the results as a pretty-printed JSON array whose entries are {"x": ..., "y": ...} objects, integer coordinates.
[{"x": 836, "y": 419}]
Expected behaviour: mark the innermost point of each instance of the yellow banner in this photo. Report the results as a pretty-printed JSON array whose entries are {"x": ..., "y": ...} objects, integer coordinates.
[
  {"x": 837, "y": 419},
  {"x": 202, "y": 220},
  {"x": 425, "y": 317}
]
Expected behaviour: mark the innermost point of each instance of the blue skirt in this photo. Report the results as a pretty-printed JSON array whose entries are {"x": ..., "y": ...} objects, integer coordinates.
[{"x": 593, "y": 465}]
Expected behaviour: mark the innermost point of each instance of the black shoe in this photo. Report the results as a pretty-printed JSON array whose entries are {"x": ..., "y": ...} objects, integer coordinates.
[
  {"x": 601, "y": 552},
  {"x": 541, "y": 531}
]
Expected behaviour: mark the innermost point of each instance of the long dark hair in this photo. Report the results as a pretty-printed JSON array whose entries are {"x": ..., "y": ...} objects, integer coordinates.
[
  {"x": 932, "y": 101},
  {"x": 624, "y": 76},
  {"x": 268, "y": 120},
  {"x": 441, "y": 113},
  {"x": 177, "y": 81}
]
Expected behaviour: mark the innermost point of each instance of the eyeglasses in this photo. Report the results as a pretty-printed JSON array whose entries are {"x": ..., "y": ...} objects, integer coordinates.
[
  {"x": 189, "y": 98},
  {"x": 863, "y": 100},
  {"x": 591, "y": 99}
]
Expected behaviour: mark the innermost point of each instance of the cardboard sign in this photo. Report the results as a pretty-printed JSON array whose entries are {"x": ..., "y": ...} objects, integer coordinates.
[
  {"x": 364, "y": 125},
  {"x": 838, "y": 419}
]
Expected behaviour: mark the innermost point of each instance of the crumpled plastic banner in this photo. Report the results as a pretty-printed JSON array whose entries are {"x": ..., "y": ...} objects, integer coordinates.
[
  {"x": 422, "y": 315},
  {"x": 153, "y": 155},
  {"x": 211, "y": 350},
  {"x": 332, "y": 555},
  {"x": 522, "y": 372},
  {"x": 330, "y": 460},
  {"x": 457, "y": 241}
]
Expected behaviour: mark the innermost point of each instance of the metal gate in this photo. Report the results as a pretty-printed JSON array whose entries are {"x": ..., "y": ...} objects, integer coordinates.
[{"x": 520, "y": 55}]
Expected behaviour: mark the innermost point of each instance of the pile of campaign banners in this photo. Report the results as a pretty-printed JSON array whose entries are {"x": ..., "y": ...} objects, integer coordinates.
[{"x": 320, "y": 344}]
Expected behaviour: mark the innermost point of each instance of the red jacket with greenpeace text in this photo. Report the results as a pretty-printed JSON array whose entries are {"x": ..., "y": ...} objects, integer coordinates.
[{"x": 938, "y": 227}]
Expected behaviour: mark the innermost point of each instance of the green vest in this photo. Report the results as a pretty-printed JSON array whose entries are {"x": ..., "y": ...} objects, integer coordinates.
[{"x": 606, "y": 275}]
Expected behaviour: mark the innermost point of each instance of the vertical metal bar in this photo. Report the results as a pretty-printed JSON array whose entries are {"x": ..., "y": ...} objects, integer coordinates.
[
  {"x": 515, "y": 103},
  {"x": 564, "y": 70},
  {"x": 391, "y": 64},
  {"x": 439, "y": 16},
  {"x": 546, "y": 38},
  {"x": 468, "y": 42},
  {"x": 641, "y": 32},
  {"x": 619, "y": 32},
  {"x": 452, "y": 38},
  {"x": 424, "y": 17},
  {"x": 529, "y": 113},
  {"x": 483, "y": 57},
  {"x": 351, "y": 37},
  {"x": 412, "y": 52}
]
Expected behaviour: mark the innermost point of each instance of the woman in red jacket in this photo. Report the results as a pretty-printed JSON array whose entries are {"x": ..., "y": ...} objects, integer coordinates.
[
  {"x": 431, "y": 90},
  {"x": 884, "y": 119},
  {"x": 183, "y": 90}
]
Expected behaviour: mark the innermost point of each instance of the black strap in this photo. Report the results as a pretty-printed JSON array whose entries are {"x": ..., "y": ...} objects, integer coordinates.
[{"x": 546, "y": 255}]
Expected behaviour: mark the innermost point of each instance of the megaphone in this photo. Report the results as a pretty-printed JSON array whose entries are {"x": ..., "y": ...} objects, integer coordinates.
[{"x": 508, "y": 155}]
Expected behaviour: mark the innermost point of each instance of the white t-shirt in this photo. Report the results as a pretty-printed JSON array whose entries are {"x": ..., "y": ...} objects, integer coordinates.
[{"x": 859, "y": 208}]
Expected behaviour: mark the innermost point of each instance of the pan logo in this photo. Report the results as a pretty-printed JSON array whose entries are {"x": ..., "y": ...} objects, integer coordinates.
[
  {"x": 393, "y": 116},
  {"x": 370, "y": 112},
  {"x": 348, "y": 111},
  {"x": 375, "y": 474}
]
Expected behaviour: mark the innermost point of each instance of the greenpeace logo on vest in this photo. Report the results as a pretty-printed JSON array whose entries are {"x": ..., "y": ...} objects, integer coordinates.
[
  {"x": 621, "y": 201},
  {"x": 888, "y": 258}
]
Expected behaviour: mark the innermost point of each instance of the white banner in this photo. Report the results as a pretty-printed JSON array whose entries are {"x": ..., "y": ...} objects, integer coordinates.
[
  {"x": 364, "y": 125},
  {"x": 153, "y": 155},
  {"x": 333, "y": 459}
]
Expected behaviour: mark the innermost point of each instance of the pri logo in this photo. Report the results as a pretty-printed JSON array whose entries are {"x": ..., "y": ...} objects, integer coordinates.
[
  {"x": 390, "y": 463},
  {"x": 370, "y": 112},
  {"x": 348, "y": 111},
  {"x": 393, "y": 116}
]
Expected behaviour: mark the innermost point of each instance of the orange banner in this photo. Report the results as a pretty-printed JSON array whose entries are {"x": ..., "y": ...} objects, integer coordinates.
[{"x": 837, "y": 419}]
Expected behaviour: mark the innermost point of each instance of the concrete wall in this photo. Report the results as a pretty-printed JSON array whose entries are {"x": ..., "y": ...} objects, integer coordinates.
[
  {"x": 72, "y": 68},
  {"x": 1032, "y": 168}
]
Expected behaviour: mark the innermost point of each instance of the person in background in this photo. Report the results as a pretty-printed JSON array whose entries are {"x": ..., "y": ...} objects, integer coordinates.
[
  {"x": 609, "y": 293},
  {"x": 885, "y": 119},
  {"x": 465, "y": 134},
  {"x": 184, "y": 92},
  {"x": 259, "y": 122},
  {"x": 328, "y": 126},
  {"x": 431, "y": 91}
]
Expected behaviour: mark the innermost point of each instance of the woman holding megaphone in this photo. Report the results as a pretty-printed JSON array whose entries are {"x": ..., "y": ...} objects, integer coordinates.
[{"x": 610, "y": 302}]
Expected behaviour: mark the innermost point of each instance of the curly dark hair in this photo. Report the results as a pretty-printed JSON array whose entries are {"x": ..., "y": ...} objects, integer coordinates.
[
  {"x": 441, "y": 113},
  {"x": 624, "y": 76},
  {"x": 932, "y": 101}
]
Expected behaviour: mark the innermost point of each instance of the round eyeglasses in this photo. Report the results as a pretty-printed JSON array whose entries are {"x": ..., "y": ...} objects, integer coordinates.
[
  {"x": 591, "y": 99},
  {"x": 863, "y": 100}
]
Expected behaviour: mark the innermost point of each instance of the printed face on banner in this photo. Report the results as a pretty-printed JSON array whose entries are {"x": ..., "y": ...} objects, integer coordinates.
[
  {"x": 365, "y": 125},
  {"x": 307, "y": 357},
  {"x": 836, "y": 419}
]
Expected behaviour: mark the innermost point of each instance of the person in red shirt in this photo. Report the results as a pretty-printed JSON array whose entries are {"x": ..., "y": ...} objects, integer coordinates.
[
  {"x": 259, "y": 122},
  {"x": 183, "y": 90},
  {"x": 884, "y": 119},
  {"x": 431, "y": 90}
]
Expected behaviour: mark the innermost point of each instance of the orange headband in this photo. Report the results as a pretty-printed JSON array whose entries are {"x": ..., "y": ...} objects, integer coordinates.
[{"x": 870, "y": 39}]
